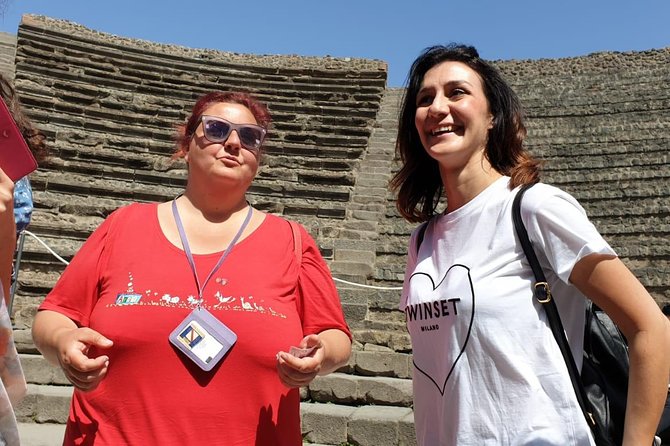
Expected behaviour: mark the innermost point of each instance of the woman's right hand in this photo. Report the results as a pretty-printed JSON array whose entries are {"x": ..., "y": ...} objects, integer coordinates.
[{"x": 72, "y": 347}]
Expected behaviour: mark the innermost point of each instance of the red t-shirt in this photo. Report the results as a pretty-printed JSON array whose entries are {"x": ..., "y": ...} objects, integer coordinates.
[{"x": 132, "y": 285}]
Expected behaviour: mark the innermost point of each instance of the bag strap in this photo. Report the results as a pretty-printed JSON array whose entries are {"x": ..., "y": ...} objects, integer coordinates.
[
  {"x": 297, "y": 240},
  {"x": 421, "y": 232},
  {"x": 542, "y": 293}
]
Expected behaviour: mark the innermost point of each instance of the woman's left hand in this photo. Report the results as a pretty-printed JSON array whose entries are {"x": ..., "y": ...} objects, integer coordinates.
[{"x": 299, "y": 372}]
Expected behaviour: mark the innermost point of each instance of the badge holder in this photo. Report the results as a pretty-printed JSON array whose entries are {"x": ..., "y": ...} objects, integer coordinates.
[{"x": 203, "y": 338}]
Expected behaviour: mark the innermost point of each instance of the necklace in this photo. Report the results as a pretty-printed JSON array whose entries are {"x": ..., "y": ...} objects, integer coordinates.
[{"x": 189, "y": 256}]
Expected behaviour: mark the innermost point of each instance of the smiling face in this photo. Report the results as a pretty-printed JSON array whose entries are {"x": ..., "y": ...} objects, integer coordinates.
[
  {"x": 226, "y": 161},
  {"x": 452, "y": 116}
]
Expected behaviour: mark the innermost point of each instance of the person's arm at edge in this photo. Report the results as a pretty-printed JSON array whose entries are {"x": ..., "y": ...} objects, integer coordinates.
[
  {"x": 337, "y": 350},
  {"x": 62, "y": 342},
  {"x": 613, "y": 287},
  {"x": 7, "y": 233},
  {"x": 47, "y": 327}
]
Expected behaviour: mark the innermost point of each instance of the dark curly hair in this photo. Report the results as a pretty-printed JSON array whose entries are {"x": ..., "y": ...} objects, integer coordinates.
[{"x": 33, "y": 136}]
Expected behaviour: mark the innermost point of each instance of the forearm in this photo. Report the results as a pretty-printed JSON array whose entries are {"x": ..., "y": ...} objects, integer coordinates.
[
  {"x": 7, "y": 247},
  {"x": 337, "y": 348},
  {"x": 648, "y": 382},
  {"x": 47, "y": 327}
]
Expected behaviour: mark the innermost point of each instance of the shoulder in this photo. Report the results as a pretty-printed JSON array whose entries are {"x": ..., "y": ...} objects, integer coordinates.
[
  {"x": 544, "y": 196},
  {"x": 274, "y": 222},
  {"x": 284, "y": 225},
  {"x": 549, "y": 212},
  {"x": 133, "y": 209},
  {"x": 133, "y": 214}
]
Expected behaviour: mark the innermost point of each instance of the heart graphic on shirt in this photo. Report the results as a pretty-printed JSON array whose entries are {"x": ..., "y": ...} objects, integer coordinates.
[{"x": 440, "y": 324}]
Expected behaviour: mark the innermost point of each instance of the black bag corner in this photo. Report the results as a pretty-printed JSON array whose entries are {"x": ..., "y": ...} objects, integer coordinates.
[{"x": 604, "y": 375}]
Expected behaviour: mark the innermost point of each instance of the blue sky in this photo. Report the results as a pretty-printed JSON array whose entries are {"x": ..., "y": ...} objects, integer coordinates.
[{"x": 394, "y": 31}]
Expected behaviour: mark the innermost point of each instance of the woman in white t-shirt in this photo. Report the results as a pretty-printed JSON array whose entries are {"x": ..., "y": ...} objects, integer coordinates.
[{"x": 487, "y": 368}]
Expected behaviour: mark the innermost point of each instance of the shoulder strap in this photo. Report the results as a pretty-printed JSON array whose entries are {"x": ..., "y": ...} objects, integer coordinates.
[
  {"x": 543, "y": 295},
  {"x": 297, "y": 250},
  {"x": 297, "y": 240},
  {"x": 421, "y": 232}
]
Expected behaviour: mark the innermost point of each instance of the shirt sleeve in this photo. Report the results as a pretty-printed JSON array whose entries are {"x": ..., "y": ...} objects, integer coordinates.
[
  {"x": 320, "y": 305},
  {"x": 76, "y": 292},
  {"x": 560, "y": 229}
]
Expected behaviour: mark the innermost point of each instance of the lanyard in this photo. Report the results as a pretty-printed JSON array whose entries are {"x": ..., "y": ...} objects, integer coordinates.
[{"x": 189, "y": 256}]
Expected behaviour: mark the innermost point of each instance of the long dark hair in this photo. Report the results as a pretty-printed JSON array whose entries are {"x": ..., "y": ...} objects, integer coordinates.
[
  {"x": 34, "y": 137},
  {"x": 418, "y": 183}
]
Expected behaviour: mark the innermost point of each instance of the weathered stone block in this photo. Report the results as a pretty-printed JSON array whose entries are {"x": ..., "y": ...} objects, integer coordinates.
[
  {"x": 386, "y": 391},
  {"x": 45, "y": 404},
  {"x": 376, "y": 425},
  {"x": 380, "y": 363},
  {"x": 334, "y": 388},
  {"x": 325, "y": 423}
]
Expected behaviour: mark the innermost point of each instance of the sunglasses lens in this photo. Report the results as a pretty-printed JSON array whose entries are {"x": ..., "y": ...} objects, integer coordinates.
[
  {"x": 251, "y": 137},
  {"x": 216, "y": 131},
  {"x": 219, "y": 130}
]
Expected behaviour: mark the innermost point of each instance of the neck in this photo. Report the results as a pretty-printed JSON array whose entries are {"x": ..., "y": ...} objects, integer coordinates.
[
  {"x": 461, "y": 187},
  {"x": 214, "y": 208}
]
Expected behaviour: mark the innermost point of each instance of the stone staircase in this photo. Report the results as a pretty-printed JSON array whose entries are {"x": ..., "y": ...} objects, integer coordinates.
[{"x": 369, "y": 400}]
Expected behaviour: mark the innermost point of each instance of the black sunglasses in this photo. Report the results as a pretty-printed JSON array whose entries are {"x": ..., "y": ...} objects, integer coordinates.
[{"x": 218, "y": 130}]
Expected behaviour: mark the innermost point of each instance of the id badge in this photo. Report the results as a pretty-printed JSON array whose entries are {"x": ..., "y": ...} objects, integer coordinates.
[{"x": 203, "y": 338}]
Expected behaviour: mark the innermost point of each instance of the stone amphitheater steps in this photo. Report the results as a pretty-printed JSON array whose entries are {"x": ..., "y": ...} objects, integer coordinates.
[
  {"x": 160, "y": 70},
  {"x": 158, "y": 111},
  {"x": 365, "y": 426},
  {"x": 122, "y": 72},
  {"x": 7, "y": 53},
  {"x": 45, "y": 434},
  {"x": 322, "y": 424},
  {"x": 121, "y": 59},
  {"x": 127, "y": 125},
  {"x": 336, "y": 388},
  {"x": 112, "y": 184}
]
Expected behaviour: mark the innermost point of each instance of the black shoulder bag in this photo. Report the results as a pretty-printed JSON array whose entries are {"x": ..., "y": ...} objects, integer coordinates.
[{"x": 602, "y": 386}]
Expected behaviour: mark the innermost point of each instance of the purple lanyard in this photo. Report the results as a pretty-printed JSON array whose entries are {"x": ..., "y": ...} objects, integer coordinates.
[{"x": 189, "y": 256}]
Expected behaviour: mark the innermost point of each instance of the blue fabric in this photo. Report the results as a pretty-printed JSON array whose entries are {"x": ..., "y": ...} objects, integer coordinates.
[{"x": 23, "y": 203}]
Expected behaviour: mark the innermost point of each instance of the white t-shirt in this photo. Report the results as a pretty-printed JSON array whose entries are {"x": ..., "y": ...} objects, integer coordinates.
[{"x": 487, "y": 369}]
